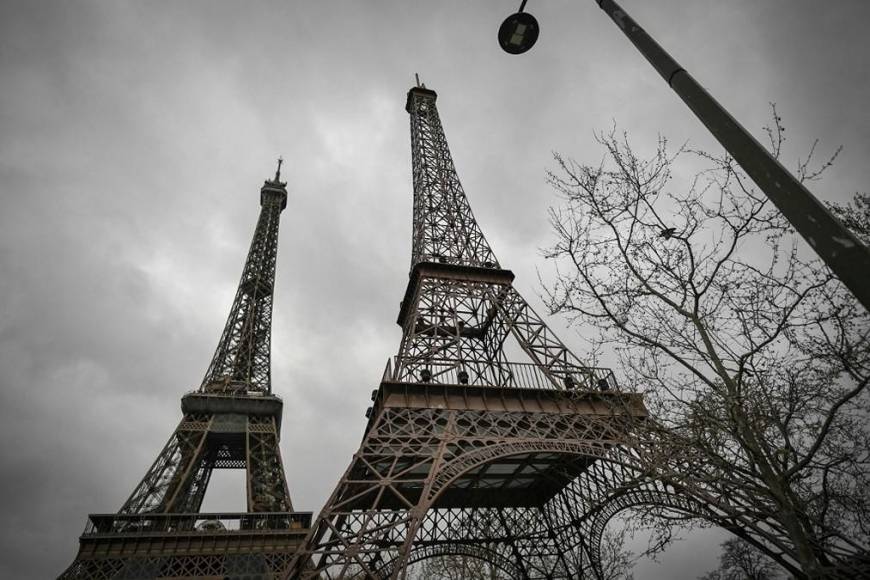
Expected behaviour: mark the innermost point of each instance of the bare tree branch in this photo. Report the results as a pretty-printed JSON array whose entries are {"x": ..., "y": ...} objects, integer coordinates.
[{"x": 753, "y": 357}]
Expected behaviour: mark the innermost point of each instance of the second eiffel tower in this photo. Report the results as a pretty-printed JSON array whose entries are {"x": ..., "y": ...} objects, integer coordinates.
[{"x": 467, "y": 452}]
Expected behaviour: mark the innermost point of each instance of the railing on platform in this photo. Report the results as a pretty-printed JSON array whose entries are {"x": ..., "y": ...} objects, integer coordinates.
[
  {"x": 503, "y": 374},
  {"x": 204, "y": 523}
]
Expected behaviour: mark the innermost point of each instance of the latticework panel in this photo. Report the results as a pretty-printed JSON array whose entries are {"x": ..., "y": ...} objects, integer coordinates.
[
  {"x": 457, "y": 334},
  {"x": 491, "y": 554},
  {"x": 252, "y": 566},
  {"x": 104, "y": 569},
  {"x": 268, "y": 490}
]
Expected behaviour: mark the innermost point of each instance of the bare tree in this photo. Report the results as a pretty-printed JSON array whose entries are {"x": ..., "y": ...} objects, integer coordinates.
[
  {"x": 753, "y": 357},
  {"x": 616, "y": 562},
  {"x": 742, "y": 561},
  {"x": 855, "y": 215},
  {"x": 456, "y": 567}
]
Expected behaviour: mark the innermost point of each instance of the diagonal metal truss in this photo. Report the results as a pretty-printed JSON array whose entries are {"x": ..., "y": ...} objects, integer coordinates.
[
  {"x": 231, "y": 422},
  {"x": 469, "y": 449}
]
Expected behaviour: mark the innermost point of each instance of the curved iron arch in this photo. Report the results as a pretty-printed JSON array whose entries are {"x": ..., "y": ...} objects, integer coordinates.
[
  {"x": 473, "y": 459},
  {"x": 666, "y": 499},
  {"x": 468, "y": 461},
  {"x": 594, "y": 526},
  {"x": 454, "y": 549}
]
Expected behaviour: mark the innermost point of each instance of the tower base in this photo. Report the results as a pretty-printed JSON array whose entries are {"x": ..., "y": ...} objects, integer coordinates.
[
  {"x": 239, "y": 546},
  {"x": 510, "y": 475}
]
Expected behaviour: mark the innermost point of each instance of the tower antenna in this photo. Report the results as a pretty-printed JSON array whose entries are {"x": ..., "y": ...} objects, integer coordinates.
[{"x": 278, "y": 171}]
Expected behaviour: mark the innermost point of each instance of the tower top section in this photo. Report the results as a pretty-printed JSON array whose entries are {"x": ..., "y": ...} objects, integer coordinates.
[
  {"x": 444, "y": 229},
  {"x": 274, "y": 191},
  {"x": 420, "y": 92},
  {"x": 242, "y": 361}
]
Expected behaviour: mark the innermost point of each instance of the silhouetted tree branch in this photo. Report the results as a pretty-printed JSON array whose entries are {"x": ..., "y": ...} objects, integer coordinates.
[
  {"x": 754, "y": 359},
  {"x": 741, "y": 561},
  {"x": 855, "y": 215}
]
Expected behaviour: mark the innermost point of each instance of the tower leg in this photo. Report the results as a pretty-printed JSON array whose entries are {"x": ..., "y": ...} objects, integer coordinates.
[
  {"x": 267, "y": 485},
  {"x": 159, "y": 490}
]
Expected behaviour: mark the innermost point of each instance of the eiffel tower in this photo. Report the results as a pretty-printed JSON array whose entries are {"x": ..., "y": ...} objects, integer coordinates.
[
  {"x": 233, "y": 421},
  {"x": 467, "y": 450}
]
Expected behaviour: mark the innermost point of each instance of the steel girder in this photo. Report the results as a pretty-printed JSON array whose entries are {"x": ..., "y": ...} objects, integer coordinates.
[{"x": 160, "y": 489}]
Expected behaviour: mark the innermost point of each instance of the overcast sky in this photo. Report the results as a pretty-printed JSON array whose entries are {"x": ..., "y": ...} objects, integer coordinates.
[{"x": 134, "y": 138}]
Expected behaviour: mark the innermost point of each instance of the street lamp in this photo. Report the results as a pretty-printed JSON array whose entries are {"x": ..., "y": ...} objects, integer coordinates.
[
  {"x": 844, "y": 254},
  {"x": 518, "y": 32}
]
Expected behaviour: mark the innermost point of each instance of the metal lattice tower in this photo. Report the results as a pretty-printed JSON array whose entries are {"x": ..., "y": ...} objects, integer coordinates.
[
  {"x": 468, "y": 451},
  {"x": 241, "y": 361},
  {"x": 232, "y": 421}
]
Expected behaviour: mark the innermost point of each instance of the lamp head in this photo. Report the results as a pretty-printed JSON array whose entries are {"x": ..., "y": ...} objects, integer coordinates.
[{"x": 518, "y": 33}]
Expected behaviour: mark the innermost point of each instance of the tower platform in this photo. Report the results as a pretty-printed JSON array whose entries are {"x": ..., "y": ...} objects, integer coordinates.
[
  {"x": 200, "y": 545},
  {"x": 475, "y": 418},
  {"x": 527, "y": 479}
]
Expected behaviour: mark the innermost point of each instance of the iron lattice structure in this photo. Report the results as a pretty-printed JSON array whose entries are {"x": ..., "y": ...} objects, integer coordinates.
[
  {"x": 468, "y": 451},
  {"x": 231, "y": 422}
]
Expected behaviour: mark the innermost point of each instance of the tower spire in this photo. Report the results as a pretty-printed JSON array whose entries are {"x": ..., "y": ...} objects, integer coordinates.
[{"x": 278, "y": 171}]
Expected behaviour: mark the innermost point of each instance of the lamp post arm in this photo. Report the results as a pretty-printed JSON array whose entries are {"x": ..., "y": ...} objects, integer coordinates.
[{"x": 847, "y": 257}]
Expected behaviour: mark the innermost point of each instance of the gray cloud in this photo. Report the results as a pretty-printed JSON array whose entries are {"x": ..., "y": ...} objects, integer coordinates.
[{"x": 133, "y": 140}]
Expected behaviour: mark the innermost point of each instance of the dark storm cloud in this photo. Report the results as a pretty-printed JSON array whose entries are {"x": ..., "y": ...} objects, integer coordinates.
[{"x": 134, "y": 137}]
